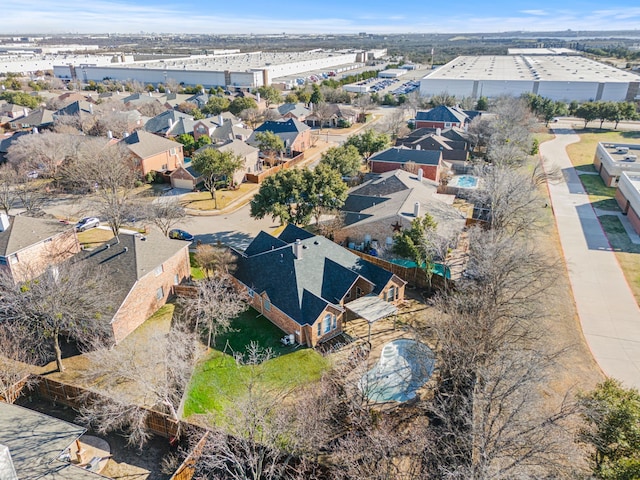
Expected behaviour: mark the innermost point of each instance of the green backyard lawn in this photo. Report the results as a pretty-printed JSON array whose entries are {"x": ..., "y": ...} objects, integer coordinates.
[{"x": 218, "y": 380}]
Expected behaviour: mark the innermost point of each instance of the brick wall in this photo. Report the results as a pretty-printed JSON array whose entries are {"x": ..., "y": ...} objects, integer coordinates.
[
  {"x": 141, "y": 302},
  {"x": 634, "y": 219},
  {"x": 431, "y": 172},
  {"x": 156, "y": 162},
  {"x": 379, "y": 230},
  {"x": 34, "y": 260},
  {"x": 429, "y": 124}
]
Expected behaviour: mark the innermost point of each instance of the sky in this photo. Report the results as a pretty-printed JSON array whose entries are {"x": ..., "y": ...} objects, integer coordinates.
[{"x": 315, "y": 16}]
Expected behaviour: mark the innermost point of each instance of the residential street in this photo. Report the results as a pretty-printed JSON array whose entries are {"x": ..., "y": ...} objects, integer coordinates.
[{"x": 608, "y": 311}]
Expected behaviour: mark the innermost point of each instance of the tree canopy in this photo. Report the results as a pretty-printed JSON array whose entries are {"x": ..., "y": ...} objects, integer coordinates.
[
  {"x": 369, "y": 142},
  {"x": 345, "y": 159},
  {"x": 215, "y": 166},
  {"x": 242, "y": 103}
]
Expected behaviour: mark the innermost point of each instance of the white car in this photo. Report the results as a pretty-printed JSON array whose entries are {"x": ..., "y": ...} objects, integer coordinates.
[{"x": 87, "y": 223}]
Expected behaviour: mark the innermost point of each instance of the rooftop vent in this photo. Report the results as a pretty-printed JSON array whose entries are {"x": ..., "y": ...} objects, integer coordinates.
[
  {"x": 622, "y": 149},
  {"x": 630, "y": 158}
]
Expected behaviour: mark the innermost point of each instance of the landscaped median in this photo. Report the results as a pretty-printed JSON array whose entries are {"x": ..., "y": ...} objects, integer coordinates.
[{"x": 218, "y": 380}]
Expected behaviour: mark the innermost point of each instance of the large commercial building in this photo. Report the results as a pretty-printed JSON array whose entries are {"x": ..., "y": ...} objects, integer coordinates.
[
  {"x": 558, "y": 77},
  {"x": 247, "y": 70}
]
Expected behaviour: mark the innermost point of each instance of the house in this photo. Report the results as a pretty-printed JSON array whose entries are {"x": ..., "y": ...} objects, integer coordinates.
[
  {"x": 137, "y": 99},
  {"x": 32, "y": 444},
  {"x": 170, "y": 123},
  {"x": 430, "y": 161},
  {"x": 185, "y": 176},
  {"x": 612, "y": 159},
  {"x": 445, "y": 117},
  {"x": 454, "y": 152},
  {"x": 303, "y": 283},
  {"x": 294, "y": 110},
  {"x": 153, "y": 153},
  {"x": 387, "y": 203},
  {"x": 295, "y": 135},
  {"x": 10, "y": 110},
  {"x": 7, "y": 139},
  {"x": 338, "y": 115},
  {"x": 40, "y": 119},
  {"x": 28, "y": 246},
  {"x": 221, "y": 128},
  {"x": 246, "y": 152},
  {"x": 79, "y": 108},
  {"x": 144, "y": 268}
]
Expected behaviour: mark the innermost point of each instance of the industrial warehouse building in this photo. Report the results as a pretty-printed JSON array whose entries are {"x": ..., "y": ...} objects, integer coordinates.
[
  {"x": 246, "y": 70},
  {"x": 558, "y": 77}
]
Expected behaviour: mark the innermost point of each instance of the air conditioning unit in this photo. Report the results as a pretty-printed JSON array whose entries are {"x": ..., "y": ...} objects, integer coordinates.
[
  {"x": 622, "y": 149},
  {"x": 630, "y": 158}
]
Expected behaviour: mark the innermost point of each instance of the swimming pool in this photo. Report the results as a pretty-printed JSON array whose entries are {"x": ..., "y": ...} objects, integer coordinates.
[
  {"x": 436, "y": 268},
  {"x": 404, "y": 366},
  {"x": 464, "y": 181}
]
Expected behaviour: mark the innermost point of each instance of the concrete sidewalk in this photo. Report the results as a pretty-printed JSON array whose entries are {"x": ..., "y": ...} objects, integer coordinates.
[{"x": 608, "y": 311}]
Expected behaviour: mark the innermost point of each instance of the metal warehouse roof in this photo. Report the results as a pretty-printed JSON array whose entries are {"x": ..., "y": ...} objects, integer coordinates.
[{"x": 531, "y": 68}]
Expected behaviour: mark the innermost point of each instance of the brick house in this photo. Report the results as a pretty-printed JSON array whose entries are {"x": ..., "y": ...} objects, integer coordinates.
[
  {"x": 385, "y": 204},
  {"x": 445, "y": 117},
  {"x": 153, "y": 153},
  {"x": 628, "y": 198},
  {"x": 144, "y": 268},
  {"x": 454, "y": 145},
  {"x": 611, "y": 159},
  {"x": 302, "y": 282},
  {"x": 170, "y": 123},
  {"x": 185, "y": 177},
  {"x": 294, "y": 110},
  {"x": 29, "y": 245},
  {"x": 430, "y": 161},
  {"x": 295, "y": 134}
]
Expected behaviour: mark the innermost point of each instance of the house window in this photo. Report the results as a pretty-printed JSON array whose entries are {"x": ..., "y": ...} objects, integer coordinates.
[
  {"x": 250, "y": 292},
  {"x": 159, "y": 293},
  {"x": 48, "y": 240},
  {"x": 158, "y": 270},
  {"x": 172, "y": 152},
  {"x": 267, "y": 305},
  {"x": 447, "y": 124},
  {"x": 335, "y": 322},
  {"x": 358, "y": 292},
  {"x": 164, "y": 167},
  {"x": 391, "y": 294},
  {"x": 326, "y": 323},
  {"x": 176, "y": 279},
  {"x": 3, "y": 260},
  {"x": 319, "y": 328}
]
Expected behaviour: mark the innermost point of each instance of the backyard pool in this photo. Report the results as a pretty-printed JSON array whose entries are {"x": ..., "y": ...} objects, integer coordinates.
[
  {"x": 404, "y": 366},
  {"x": 464, "y": 181}
]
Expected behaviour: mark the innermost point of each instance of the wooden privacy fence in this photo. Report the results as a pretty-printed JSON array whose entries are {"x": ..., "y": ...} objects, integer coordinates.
[
  {"x": 412, "y": 275},
  {"x": 259, "y": 177},
  {"x": 188, "y": 467},
  {"x": 14, "y": 391}
]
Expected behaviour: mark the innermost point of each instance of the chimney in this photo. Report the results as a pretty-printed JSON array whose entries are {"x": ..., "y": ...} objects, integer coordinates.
[
  {"x": 258, "y": 97},
  {"x": 202, "y": 91},
  {"x": 438, "y": 131},
  {"x": 35, "y": 130},
  {"x": 170, "y": 122},
  {"x": 420, "y": 174},
  {"x": 109, "y": 134},
  {"x": 4, "y": 222},
  {"x": 418, "y": 147},
  {"x": 91, "y": 108},
  {"x": 416, "y": 209},
  {"x": 297, "y": 249},
  {"x": 220, "y": 120},
  {"x": 25, "y": 112}
]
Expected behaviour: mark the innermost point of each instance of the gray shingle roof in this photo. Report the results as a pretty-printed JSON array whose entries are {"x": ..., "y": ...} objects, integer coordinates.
[
  {"x": 303, "y": 287},
  {"x": 403, "y": 155},
  {"x": 443, "y": 113},
  {"x": 26, "y": 231},
  {"x": 145, "y": 144},
  {"x": 180, "y": 123}
]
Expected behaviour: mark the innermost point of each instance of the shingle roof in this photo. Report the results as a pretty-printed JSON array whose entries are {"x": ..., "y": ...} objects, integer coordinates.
[
  {"x": 237, "y": 147},
  {"x": 443, "y": 113},
  {"x": 26, "y": 231},
  {"x": 290, "y": 125},
  {"x": 128, "y": 258},
  {"x": 76, "y": 108},
  {"x": 37, "y": 118},
  {"x": 404, "y": 155},
  {"x": 35, "y": 441},
  {"x": 296, "y": 109},
  {"x": 180, "y": 123},
  {"x": 303, "y": 287},
  {"x": 145, "y": 144}
]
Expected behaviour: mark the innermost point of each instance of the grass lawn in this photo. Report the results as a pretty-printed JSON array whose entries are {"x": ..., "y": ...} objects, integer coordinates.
[
  {"x": 203, "y": 200},
  {"x": 627, "y": 252},
  {"x": 217, "y": 380},
  {"x": 600, "y": 195},
  {"x": 94, "y": 237},
  {"x": 196, "y": 272}
]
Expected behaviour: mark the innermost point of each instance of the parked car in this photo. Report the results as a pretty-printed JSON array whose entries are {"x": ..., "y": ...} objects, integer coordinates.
[
  {"x": 177, "y": 234},
  {"x": 87, "y": 223}
]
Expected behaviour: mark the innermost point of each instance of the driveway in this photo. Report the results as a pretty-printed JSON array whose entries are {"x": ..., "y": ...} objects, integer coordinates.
[{"x": 608, "y": 311}]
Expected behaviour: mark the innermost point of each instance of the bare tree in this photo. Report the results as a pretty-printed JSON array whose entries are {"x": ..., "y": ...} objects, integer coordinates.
[
  {"x": 364, "y": 104},
  {"x": 109, "y": 171},
  {"x": 44, "y": 151},
  {"x": 8, "y": 194},
  {"x": 214, "y": 259},
  {"x": 69, "y": 299},
  {"x": 323, "y": 112},
  {"x": 396, "y": 124},
  {"x": 252, "y": 116},
  {"x": 218, "y": 302},
  {"x": 14, "y": 363},
  {"x": 130, "y": 376},
  {"x": 165, "y": 213}
]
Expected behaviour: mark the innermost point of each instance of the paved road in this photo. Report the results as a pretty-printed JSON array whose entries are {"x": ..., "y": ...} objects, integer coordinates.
[{"x": 608, "y": 311}]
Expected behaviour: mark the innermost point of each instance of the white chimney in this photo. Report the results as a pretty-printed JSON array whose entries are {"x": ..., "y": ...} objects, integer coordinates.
[
  {"x": 168, "y": 91},
  {"x": 202, "y": 91},
  {"x": 420, "y": 174},
  {"x": 4, "y": 222},
  {"x": 416, "y": 209},
  {"x": 35, "y": 130},
  {"x": 418, "y": 147},
  {"x": 25, "y": 112},
  {"x": 91, "y": 108},
  {"x": 170, "y": 122},
  {"x": 258, "y": 97},
  {"x": 109, "y": 134},
  {"x": 438, "y": 131},
  {"x": 220, "y": 120},
  {"x": 297, "y": 249},
  {"x": 6, "y": 464}
]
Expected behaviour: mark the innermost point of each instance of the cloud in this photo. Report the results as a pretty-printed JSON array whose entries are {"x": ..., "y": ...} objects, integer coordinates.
[{"x": 539, "y": 13}]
